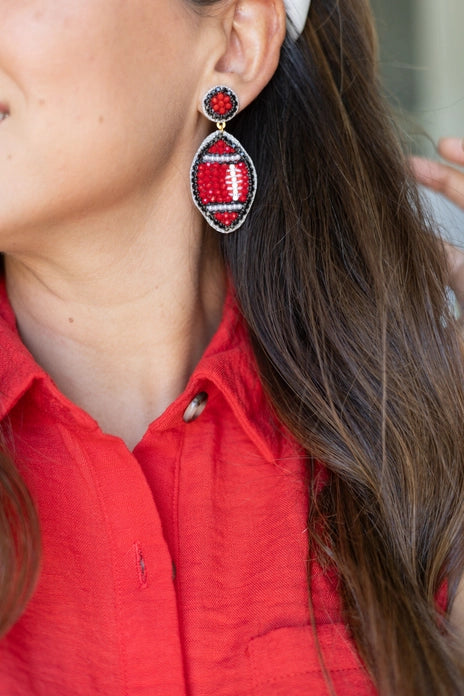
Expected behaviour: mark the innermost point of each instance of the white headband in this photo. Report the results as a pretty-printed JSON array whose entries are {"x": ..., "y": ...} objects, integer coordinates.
[{"x": 297, "y": 13}]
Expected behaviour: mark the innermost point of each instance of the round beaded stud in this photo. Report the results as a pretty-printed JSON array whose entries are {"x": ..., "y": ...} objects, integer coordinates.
[
  {"x": 220, "y": 104},
  {"x": 222, "y": 176}
]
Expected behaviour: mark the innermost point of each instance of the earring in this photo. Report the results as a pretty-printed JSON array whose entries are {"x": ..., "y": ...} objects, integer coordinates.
[{"x": 222, "y": 177}]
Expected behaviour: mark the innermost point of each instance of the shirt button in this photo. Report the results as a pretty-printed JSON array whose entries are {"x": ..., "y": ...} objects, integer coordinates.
[{"x": 195, "y": 407}]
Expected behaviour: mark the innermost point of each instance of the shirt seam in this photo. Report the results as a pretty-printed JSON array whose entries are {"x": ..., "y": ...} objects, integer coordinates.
[
  {"x": 116, "y": 586},
  {"x": 176, "y": 527}
]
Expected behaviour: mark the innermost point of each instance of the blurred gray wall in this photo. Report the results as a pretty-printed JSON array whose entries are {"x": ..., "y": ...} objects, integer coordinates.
[
  {"x": 422, "y": 60},
  {"x": 395, "y": 22},
  {"x": 422, "y": 65}
]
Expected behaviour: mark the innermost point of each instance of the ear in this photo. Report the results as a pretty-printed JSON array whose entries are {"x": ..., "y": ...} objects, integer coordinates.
[{"x": 254, "y": 32}]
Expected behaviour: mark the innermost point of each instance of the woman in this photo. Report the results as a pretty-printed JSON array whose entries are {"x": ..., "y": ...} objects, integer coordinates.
[{"x": 180, "y": 403}]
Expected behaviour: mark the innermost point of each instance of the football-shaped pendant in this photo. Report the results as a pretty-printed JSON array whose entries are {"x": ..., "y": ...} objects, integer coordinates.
[{"x": 223, "y": 181}]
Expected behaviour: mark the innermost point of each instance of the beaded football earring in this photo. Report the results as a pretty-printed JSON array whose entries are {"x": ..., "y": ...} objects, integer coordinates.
[{"x": 222, "y": 176}]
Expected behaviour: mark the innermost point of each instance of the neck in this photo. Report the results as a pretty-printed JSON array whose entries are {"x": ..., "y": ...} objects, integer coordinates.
[{"x": 120, "y": 331}]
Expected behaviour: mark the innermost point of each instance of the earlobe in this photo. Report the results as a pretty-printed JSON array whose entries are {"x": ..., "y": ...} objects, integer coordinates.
[{"x": 256, "y": 34}]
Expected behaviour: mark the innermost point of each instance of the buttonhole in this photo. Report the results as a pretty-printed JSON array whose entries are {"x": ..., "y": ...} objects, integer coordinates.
[{"x": 141, "y": 565}]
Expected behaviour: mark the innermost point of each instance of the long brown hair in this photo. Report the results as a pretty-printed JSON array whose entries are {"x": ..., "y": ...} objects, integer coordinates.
[
  {"x": 343, "y": 286},
  {"x": 19, "y": 543}
]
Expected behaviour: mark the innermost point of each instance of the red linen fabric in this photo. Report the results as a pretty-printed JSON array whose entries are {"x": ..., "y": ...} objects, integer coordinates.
[{"x": 178, "y": 568}]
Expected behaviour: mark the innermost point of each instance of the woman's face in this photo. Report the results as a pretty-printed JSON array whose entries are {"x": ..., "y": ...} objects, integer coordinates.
[{"x": 100, "y": 97}]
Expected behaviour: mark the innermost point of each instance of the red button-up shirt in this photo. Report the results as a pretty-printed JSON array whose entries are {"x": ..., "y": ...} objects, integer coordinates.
[{"x": 178, "y": 568}]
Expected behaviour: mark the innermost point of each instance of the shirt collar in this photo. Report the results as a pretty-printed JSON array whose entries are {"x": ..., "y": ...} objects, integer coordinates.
[
  {"x": 228, "y": 363},
  {"x": 18, "y": 369}
]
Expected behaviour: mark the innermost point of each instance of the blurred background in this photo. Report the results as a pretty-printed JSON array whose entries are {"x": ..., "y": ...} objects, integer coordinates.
[{"x": 422, "y": 65}]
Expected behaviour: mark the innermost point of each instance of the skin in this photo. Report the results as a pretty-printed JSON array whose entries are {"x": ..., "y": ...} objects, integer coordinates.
[
  {"x": 116, "y": 287},
  {"x": 446, "y": 178}
]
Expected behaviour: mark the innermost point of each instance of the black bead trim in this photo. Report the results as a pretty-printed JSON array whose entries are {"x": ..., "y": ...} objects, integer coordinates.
[{"x": 252, "y": 185}]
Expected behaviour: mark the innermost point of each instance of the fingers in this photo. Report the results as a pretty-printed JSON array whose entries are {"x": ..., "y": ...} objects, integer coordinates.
[
  {"x": 452, "y": 149},
  {"x": 448, "y": 180},
  {"x": 456, "y": 269},
  {"x": 440, "y": 177},
  {"x": 455, "y": 258}
]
